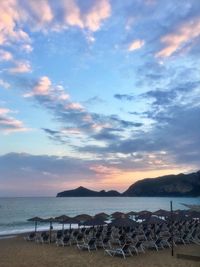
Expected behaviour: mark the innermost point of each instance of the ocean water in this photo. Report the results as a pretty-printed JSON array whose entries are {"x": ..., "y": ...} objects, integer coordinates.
[{"x": 14, "y": 212}]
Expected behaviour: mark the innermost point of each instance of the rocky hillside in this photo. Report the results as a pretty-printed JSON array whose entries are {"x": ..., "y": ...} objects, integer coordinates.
[
  {"x": 84, "y": 192},
  {"x": 170, "y": 185}
]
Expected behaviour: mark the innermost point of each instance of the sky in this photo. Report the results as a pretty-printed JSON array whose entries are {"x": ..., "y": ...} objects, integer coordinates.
[{"x": 97, "y": 93}]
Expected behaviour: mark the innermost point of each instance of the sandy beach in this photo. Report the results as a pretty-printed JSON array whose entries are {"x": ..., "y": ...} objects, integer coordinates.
[{"x": 16, "y": 252}]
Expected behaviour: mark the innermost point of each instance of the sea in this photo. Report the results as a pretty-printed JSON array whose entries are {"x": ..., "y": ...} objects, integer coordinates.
[{"x": 14, "y": 212}]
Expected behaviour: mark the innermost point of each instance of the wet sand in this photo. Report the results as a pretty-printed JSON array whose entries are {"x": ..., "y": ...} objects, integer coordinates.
[{"x": 16, "y": 252}]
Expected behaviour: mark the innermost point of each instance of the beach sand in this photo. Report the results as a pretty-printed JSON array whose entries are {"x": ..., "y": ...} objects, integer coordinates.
[{"x": 16, "y": 252}]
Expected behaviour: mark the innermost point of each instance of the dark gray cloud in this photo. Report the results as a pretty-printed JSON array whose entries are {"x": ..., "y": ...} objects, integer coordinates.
[
  {"x": 41, "y": 174},
  {"x": 175, "y": 113},
  {"x": 126, "y": 97}
]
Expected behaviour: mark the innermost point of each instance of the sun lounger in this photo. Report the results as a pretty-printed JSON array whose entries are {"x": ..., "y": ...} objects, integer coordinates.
[
  {"x": 138, "y": 247},
  {"x": 91, "y": 245},
  {"x": 121, "y": 251},
  {"x": 30, "y": 237}
]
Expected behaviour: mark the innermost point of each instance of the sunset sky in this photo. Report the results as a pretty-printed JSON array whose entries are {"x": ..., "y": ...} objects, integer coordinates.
[{"x": 98, "y": 93}]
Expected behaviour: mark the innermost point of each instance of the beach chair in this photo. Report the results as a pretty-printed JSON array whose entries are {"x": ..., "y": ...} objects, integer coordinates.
[
  {"x": 91, "y": 245},
  {"x": 105, "y": 243},
  {"x": 156, "y": 244},
  {"x": 138, "y": 247},
  {"x": 30, "y": 237},
  {"x": 66, "y": 241},
  {"x": 123, "y": 251},
  {"x": 80, "y": 239},
  {"x": 43, "y": 238}
]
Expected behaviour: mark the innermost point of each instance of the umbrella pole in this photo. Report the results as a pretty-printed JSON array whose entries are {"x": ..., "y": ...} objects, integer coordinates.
[
  {"x": 63, "y": 228},
  {"x": 172, "y": 230},
  {"x": 35, "y": 227},
  {"x": 50, "y": 232}
]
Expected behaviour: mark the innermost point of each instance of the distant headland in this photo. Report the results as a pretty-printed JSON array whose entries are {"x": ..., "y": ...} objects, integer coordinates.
[{"x": 181, "y": 185}]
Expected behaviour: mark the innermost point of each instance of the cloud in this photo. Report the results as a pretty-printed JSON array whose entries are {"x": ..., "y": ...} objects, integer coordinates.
[
  {"x": 42, "y": 87},
  {"x": 5, "y": 55},
  {"x": 82, "y": 15},
  {"x": 9, "y": 124},
  {"x": 135, "y": 45},
  {"x": 124, "y": 97},
  {"x": 74, "y": 118},
  {"x": 184, "y": 35},
  {"x": 172, "y": 129},
  {"x": 38, "y": 13},
  {"x": 42, "y": 174},
  {"x": 4, "y": 84},
  {"x": 21, "y": 67},
  {"x": 27, "y": 48},
  {"x": 100, "y": 11},
  {"x": 11, "y": 18}
]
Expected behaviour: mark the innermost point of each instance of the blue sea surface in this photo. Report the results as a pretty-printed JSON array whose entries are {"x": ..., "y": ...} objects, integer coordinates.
[{"x": 14, "y": 212}]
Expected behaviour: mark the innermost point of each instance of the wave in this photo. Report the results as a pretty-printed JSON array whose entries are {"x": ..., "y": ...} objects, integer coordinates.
[{"x": 16, "y": 230}]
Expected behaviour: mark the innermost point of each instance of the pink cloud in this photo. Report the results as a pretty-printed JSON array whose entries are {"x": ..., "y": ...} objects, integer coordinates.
[
  {"x": 186, "y": 33},
  {"x": 9, "y": 124},
  {"x": 5, "y": 55},
  {"x": 21, "y": 67},
  {"x": 100, "y": 11},
  {"x": 43, "y": 86},
  {"x": 74, "y": 106},
  {"x": 39, "y": 14},
  {"x": 104, "y": 170},
  {"x": 11, "y": 16},
  {"x": 135, "y": 45},
  {"x": 90, "y": 19}
]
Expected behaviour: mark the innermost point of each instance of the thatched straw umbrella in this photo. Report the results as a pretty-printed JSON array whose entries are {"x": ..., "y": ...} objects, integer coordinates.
[
  {"x": 71, "y": 221},
  {"x": 117, "y": 214},
  {"x": 123, "y": 222},
  {"x": 61, "y": 219},
  {"x": 102, "y": 215},
  {"x": 36, "y": 220},
  {"x": 83, "y": 217},
  {"x": 94, "y": 222}
]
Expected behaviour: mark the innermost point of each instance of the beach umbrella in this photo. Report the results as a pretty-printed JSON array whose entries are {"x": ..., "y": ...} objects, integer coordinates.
[
  {"x": 123, "y": 222},
  {"x": 83, "y": 217},
  {"x": 50, "y": 220},
  {"x": 117, "y": 214},
  {"x": 35, "y": 220},
  {"x": 102, "y": 215},
  {"x": 144, "y": 212},
  {"x": 61, "y": 219},
  {"x": 94, "y": 222},
  {"x": 71, "y": 220}
]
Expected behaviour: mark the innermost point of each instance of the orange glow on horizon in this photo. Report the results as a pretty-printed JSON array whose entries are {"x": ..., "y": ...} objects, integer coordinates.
[{"x": 119, "y": 181}]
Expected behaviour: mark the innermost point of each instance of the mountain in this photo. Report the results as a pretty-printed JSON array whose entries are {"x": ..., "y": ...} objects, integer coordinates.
[
  {"x": 181, "y": 185},
  {"x": 84, "y": 192}
]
